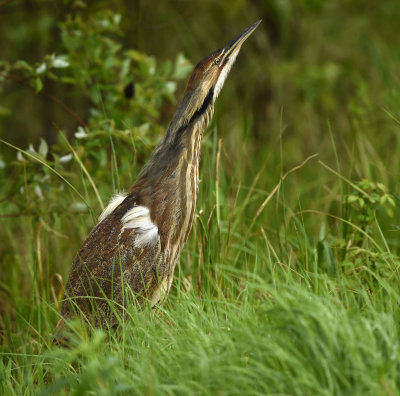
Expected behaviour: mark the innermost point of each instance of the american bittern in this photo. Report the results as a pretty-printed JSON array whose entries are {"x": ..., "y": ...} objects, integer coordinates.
[{"x": 140, "y": 234}]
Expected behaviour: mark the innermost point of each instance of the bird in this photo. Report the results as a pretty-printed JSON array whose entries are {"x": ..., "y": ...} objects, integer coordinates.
[{"x": 135, "y": 246}]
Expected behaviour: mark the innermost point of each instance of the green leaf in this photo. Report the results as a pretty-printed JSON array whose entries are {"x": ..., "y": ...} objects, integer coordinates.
[
  {"x": 68, "y": 80},
  {"x": 41, "y": 68},
  {"x": 182, "y": 67},
  {"x": 136, "y": 55},
  {"x": 117, "y": 19},
  {"x": 60, "y": 62},
  {"x": 22, "y": 65},
  {"x": 352, "y": 198},
  {"x": 170, "y": 87},
  {"x": 390, "y": 200},
  {"x": 38, "y": 84},
  {"x": 43, "y": 148}
]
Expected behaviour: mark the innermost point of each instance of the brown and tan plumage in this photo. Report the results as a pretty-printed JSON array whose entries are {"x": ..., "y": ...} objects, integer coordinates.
[{"x": 140, "y": 234}]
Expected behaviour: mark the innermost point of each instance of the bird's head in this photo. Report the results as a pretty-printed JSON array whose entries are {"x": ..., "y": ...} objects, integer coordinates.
[
  {"x": 208, "y": 77},
  {"x": 195, "y": 109}
]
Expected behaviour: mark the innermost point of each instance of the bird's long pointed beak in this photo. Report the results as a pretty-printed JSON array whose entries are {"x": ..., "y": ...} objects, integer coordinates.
[{"x": 237, "y": 42}]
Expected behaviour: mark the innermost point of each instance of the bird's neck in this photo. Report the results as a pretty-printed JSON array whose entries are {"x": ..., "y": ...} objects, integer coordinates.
[
  {"x": 179, "y": 149},
  {"x": 169, "y": 182}
]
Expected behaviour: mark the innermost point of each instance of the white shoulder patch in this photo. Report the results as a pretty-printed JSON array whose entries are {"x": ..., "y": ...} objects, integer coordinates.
[
  {"x": 139, "y": 218},
  {"x": 116, "y": 200}
]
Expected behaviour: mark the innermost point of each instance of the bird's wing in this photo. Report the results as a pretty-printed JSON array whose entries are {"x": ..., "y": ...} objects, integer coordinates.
[{"x": 122, "y": 249}]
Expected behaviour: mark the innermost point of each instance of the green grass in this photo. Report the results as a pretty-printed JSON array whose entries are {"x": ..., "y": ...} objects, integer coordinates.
[
  {"x": 270, "y": 340},
  {"x": 261, "y": 303}
]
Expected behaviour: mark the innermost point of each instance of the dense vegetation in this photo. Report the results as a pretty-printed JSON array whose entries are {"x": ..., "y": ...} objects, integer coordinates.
[{"x": 289, "y": 283}]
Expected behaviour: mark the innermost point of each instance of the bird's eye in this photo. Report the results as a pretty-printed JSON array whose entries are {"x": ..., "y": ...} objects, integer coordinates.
[{"x": 217, "y": 60}]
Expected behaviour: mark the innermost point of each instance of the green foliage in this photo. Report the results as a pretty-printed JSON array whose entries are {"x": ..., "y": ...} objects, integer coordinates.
[
  {"x": 102, "y": 73},
  {"x": 367, "y": 198},
  {"x": 125, "y": 90}
]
